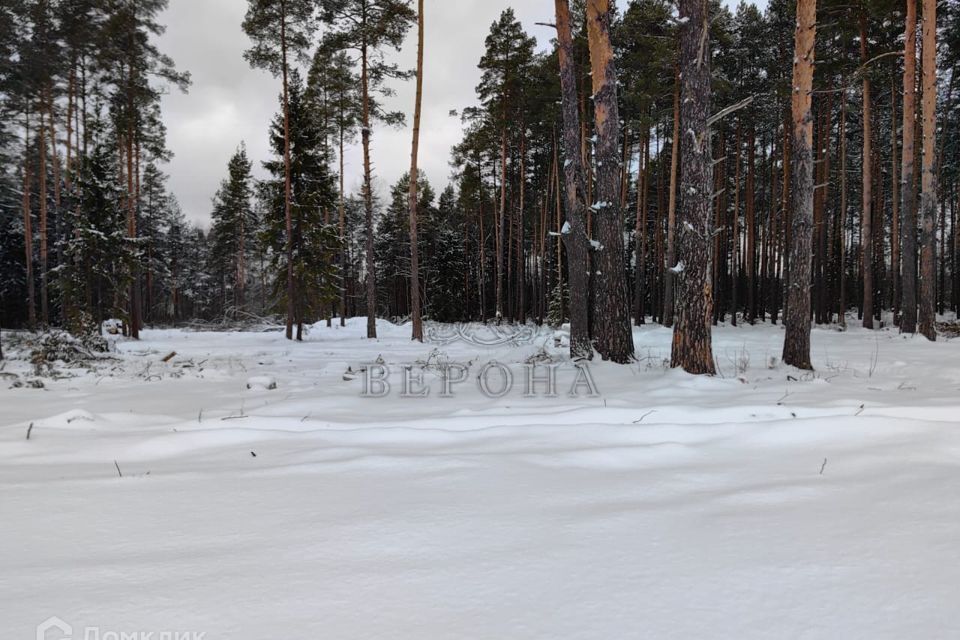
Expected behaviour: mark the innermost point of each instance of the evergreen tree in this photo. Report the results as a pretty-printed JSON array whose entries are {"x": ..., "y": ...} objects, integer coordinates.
[
  {"x": 505, "y": 64},
  {"x": 332, "y": 79},
  {"x": 310, "y": 252},
  {"x": 692, "y": 336},
  {"x": 281, "y": 29},
  {"x": 234, "y": 227},
  {"x": 370, "y": 28}
]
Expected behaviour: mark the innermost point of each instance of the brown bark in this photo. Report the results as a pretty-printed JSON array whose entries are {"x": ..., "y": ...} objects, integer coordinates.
[
  {"x": 796, "y": 348},
  {"x": 614, "y": 337},
  {"x": 692, "y": 340},
  {"x": 928, "y": 195},
  {"x": 577, "y": 244},
  {"x": 42, "y": 229},
  {"x": 414, "y": 249},
  {"x": 676, "y": 145}
]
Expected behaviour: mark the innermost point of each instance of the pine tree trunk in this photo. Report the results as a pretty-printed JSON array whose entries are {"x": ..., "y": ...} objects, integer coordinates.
[
  {"x": 287, "y": 185},
  {"x": 692, "y": 340},
  {"x": 676, "y": 145},
  {"x": 342, "y": 211},
  {"x": 928, "y": 195},
  {"x": 44, "y": 296},
  {"x": 414, "y": 248},
  {"x": 640, "y": 232},
  {"x": 751, "y": 228},
  {"x": 614, "y": 334},
  {"x": 502, "y": 226},
  {"x": 842, "y": 214},
  {"x": 866, "y": 243},
  {"x": 895, "y": 234},
  {"x": 368, "y": 198},
  {"x": 577, "y": 244},
  {"x": 28, "y": 229},
  {"x": 735, "y": 251},
  {"x": 796, "y": 348}
]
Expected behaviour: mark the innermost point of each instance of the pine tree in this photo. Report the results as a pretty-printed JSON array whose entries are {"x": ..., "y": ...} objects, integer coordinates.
[
  {"x": 928, "y": 195},
  {"x": 908, "y": 209},
  {"x": 281, "y": 29},
  {"x": 332, "y": 75},
  {"x": 415, "y": 310},
  {"x": 371, "y": 28},
  {"x": 796, "y": 348},
  {"x": 614, "y": 338},
  {"x": 692, "y": 343},
  {"x": 505, "y": 65},
  {"x": 577, "y": 243}
]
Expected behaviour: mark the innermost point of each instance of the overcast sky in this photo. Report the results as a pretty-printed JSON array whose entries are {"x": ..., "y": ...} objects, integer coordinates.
[{"x": 229, "y": 102}]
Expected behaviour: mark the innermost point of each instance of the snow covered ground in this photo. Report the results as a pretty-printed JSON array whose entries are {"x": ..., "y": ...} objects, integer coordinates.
[{"x": 763, "y": 503}]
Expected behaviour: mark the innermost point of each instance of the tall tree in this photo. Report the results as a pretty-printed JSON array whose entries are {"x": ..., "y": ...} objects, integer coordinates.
[
  {"x": 668, "y": 280},
  {"x": 333, "y": 74},
  {"x": 370, "y": 27},
  {"x": 415, "y": 311},
  {"x": 132, "y": 61},
  {"x": 314, "y": 242},
  {"x": 692, "y": 340},
  {"x": 928, "y": 194},
  {"x": 796, "y": 347},
  {"x": 908, "y": 209},
  {"x": 234, "y": 225},
  {"x": 575, "y": 205},
  {"x": 506, "y": 67},
  {"x": 867, "y": 230},
  {"x": 614, "y": 336},
  {"x": 279, "y": 28}
]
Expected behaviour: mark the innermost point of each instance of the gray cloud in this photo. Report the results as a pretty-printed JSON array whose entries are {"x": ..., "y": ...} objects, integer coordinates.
[{"x": 229, "y": 102}]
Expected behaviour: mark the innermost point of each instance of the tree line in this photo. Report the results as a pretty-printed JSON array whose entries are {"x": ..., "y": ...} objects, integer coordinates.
[{"x": 684, "y": 164}]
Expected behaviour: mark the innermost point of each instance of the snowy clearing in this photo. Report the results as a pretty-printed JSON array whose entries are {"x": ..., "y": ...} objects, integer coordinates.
[{"x": 761, "y": 503}]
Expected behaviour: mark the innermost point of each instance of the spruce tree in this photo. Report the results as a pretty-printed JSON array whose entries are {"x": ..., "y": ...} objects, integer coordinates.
[
  {"x": 234, "y": 225},
  {"x": 309, "y": 254}
]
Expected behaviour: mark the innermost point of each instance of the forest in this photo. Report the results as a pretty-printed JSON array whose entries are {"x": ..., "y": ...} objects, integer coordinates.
[
  {"x": 687, "y": 164},
  {"x": 664, "y": 345}
]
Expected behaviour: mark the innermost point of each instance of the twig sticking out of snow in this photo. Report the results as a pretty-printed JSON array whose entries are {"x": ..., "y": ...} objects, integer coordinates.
[
  {"x": 824, "y": 466},
  {"x": 119, "y": 473},
  {"x": 29, "y": 430}
]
